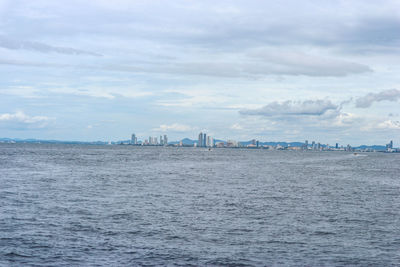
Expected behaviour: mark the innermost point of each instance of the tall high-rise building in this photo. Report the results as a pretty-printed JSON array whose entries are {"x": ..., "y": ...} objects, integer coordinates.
[
  {"x": 133, "y": 139},
  {"x": 161, "y": 140},
  {"x": 210, "y": 141},
  {"x": 200, "y": 140},
  {"x": 337, "y": 145},
  {"x": 390, "y": 145},
  {"x": 165, "y": 140},
  {"x": 305, "y": 146},
  {"x": 204, "y": 140}
]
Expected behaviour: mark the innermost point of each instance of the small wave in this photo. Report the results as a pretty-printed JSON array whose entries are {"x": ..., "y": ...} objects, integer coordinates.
[
  {"x": 359, "y": 155},
  {"x": 323, "y": 233},
  {"x": 14, "y": 255}
]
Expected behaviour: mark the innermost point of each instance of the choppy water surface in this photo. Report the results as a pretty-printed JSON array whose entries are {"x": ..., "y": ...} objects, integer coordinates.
[{"x": 71, "y": 205}]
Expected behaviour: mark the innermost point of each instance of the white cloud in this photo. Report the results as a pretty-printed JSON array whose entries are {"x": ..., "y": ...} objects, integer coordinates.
[
  {"x": 344, "y": 119},
  {"x": 389, "y": 124},
  {"x": 175, "y": 127},
  {"x": 22, "y": 117},
  {"x": 20, "y": 120},
  {"x": 236, "y": 126},
  {"x": 293, "y": 108}
]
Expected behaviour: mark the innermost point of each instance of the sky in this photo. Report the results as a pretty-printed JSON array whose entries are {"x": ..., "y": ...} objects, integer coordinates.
[{"x": 271, "y": 70}]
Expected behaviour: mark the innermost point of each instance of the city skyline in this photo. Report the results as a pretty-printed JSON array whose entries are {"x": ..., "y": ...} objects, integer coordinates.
[
  {"x": 207, "y": 141},
  {"x": 287, "y": 70}
]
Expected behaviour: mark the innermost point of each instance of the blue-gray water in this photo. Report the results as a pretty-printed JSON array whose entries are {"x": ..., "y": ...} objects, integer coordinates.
[{"x": 73, "y": 205}]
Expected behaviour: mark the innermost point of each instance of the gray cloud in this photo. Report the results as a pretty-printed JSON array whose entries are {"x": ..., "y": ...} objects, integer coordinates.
[
  {"x": 246, "y": 69},
  {"x": 292, "y": 62},
  {"x": 215, "y": 26},
  {"x": 225, "y": 33},
  {"x": 387, "y": 95},
  {"x": 293, "y": 108},
  {"x": 40, "y": 47}
]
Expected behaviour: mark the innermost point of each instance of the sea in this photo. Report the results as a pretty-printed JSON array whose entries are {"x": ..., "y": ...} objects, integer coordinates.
[{"x": 116, "y": 205}]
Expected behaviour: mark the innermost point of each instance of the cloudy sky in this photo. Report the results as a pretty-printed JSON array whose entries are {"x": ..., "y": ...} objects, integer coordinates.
[{"x": 274, "y": 70}]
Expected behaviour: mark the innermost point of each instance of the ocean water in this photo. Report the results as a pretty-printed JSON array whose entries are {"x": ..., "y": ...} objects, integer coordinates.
[{"x": 75, "y": 205}]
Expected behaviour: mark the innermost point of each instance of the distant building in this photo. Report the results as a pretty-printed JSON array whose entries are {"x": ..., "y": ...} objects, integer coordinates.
[
  {"x": 210, "y": 141},
  {"x": 165, "y": 140},
  {"x": 337, "y": 146},
  {"x": 220, "y": 144},
  {"x": 200, "y": 140},
  {"x": 389, "y": 147},
  {"x": 305, "y": 146},
  {"x": 133, "y": 139},
  {"x": 231, "y": 143},
  {"x": 204, "y": 140}
]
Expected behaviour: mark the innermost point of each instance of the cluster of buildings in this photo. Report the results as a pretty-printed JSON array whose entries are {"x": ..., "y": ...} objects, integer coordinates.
[
  {"x": 204, "y": 141},
  {"x": 208, "y": 141},
  {"x": 321, "y": 147},
  {"x": 152, "y": 141},
  {"x": 389, "y": 147}
]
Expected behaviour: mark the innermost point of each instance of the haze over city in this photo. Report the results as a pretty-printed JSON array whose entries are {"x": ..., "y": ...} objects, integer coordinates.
[{"x": 274, "y": 71}]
